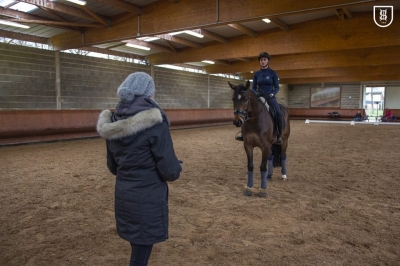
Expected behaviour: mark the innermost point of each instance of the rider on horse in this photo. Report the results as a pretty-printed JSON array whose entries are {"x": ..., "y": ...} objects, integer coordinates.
[{"x": 266, "y": 85}]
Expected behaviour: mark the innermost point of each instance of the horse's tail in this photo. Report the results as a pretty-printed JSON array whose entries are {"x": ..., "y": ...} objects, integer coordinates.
[{"x": 276, "y": 152}]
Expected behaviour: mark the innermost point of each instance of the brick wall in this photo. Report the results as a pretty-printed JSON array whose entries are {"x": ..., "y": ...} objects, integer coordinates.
[
  {"x": 90, "y": 82},
  {"x": 28, "y": 81},
  {"x": 27, "y": 78},
  {"x": 180, "y": 89}
]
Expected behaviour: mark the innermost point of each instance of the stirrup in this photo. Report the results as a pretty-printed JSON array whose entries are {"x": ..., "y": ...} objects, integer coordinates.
[{"x": 239, "y": 138}]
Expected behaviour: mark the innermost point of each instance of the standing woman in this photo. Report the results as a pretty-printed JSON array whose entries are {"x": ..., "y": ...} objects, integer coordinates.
[{"x": 140, "y": 153}]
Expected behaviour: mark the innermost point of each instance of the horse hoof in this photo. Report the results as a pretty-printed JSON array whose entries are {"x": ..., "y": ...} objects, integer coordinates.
[
  {"x": 269, "y": 177},
  {"x": 248, "y": 191},
  {"x": 262, "y": 193}
]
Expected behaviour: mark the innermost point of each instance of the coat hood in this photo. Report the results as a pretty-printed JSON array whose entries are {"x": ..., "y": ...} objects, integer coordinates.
[{"x": 129, "y": 126}]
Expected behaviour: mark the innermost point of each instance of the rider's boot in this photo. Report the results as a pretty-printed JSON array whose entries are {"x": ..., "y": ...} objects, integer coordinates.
[{"x": 279, "y": 133}]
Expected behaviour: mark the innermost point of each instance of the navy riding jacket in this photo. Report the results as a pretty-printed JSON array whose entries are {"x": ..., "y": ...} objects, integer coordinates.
[{"x": 266, "y": 80}]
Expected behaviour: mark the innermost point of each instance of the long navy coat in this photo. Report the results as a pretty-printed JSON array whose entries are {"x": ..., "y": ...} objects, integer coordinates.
[{"x": 141, "y": 155}]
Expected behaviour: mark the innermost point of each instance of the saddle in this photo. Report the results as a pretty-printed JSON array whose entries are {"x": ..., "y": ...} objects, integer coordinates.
[{"x": 272, "y": 112}]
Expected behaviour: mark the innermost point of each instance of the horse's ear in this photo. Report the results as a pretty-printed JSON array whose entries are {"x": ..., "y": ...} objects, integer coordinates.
[
  {"x": 248, "y": 84},
  {"x": 231, "y": 85}
]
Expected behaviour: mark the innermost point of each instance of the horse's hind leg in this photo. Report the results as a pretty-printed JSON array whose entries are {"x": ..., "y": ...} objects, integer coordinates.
[
  {"x": 270, "y": 167},
  {"x": 283, "y": 159}
]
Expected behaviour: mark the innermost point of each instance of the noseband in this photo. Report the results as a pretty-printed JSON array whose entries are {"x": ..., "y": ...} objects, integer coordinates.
[{"x": 244, "y": 114}]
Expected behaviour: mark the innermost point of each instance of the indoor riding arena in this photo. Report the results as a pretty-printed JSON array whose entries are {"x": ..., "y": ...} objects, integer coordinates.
[
  {"x": 61, "y": 64},
  {"x": 339, "y": 206}
]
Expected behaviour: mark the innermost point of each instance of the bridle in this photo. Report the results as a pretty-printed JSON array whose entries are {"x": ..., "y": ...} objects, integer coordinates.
[{"x": 245, "y": 114}]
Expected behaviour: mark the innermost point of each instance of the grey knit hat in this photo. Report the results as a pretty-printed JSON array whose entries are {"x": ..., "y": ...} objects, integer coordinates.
[{"x": 136, "y": 84}]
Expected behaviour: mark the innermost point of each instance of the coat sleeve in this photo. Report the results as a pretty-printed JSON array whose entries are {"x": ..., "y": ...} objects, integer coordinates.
[
  {"x": 275, "y": 85},
  {"x": 168, "y": 164},
  {"x": 111, "y": 163}
]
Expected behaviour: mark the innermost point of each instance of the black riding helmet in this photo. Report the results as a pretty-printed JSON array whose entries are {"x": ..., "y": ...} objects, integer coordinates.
[{"x": 264, "y": 54}]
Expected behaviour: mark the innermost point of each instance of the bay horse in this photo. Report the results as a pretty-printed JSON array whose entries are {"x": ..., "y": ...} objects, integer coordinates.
[{"x": 257, "y": 127}]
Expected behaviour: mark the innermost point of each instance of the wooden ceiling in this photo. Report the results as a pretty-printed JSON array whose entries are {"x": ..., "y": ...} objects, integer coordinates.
[{"x": 310, "y": 41}]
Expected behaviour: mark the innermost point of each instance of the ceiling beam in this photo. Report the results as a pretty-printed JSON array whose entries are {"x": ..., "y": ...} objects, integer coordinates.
[
  {"x": 340, "y": 72},
  {"x": 212, "y": 36},
  {"x": 163, "y": 17},
  {"x": 248, "y": 10},
  {"x": 58, "y": 23},
  {"x": 244, "y": 59},
  {"x": 23, "y": 37},
  {"x": 112, "y": 52},
  {"x": 343, "y": 13},
  {"x": 177, "y": 39},
  {"x": 59, "y": 7},
  {"x": 52, "y": 13},
  {"x": 361, "y": 78},
  {"x": 279, "y": 23},
  {"x": 123, "y": 5},
  {"x": 339, "y": 12},
  {"x": 222, "y": 62},
  {"x": 170, "y": 45},
  {"x": 95, "y": 16},
  {"x": 347, "y": 12},
  {"x": 17, "y": 14},
  {"x": 9, "y": 13},
  {"x": 342, "y": 58},
  {"x": 243, "y": 29},
  {"x": 327, "y": 34}
]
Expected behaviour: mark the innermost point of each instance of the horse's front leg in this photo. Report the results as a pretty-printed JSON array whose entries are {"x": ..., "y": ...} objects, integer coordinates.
[
  {"x": 250, "y": 170},
  {"x": 263, "y": 172}
]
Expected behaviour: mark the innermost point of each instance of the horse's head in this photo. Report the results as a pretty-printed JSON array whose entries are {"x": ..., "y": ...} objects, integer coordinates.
[{"x": 241, "y": 102}]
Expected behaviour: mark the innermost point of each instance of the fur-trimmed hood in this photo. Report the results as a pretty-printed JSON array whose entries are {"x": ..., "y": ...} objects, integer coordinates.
[{"x": 127, "y": 127}]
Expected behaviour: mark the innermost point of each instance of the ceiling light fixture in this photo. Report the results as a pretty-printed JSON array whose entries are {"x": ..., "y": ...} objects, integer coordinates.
[
  {"x": 266, "y": 20},
  {"x": 175, "y": 33},
  {"x": 208, "y": 62},
  {"x": 193, "y": 33},
  {"x": 78, "y": 2},
  {"x": 137, "y": 46},
  {"x": 14, "y": 24},
  {"x": 147, "y": 39}
]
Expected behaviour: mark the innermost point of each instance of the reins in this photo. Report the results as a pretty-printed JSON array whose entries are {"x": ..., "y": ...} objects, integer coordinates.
[{"x": 247, "y": 111}]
